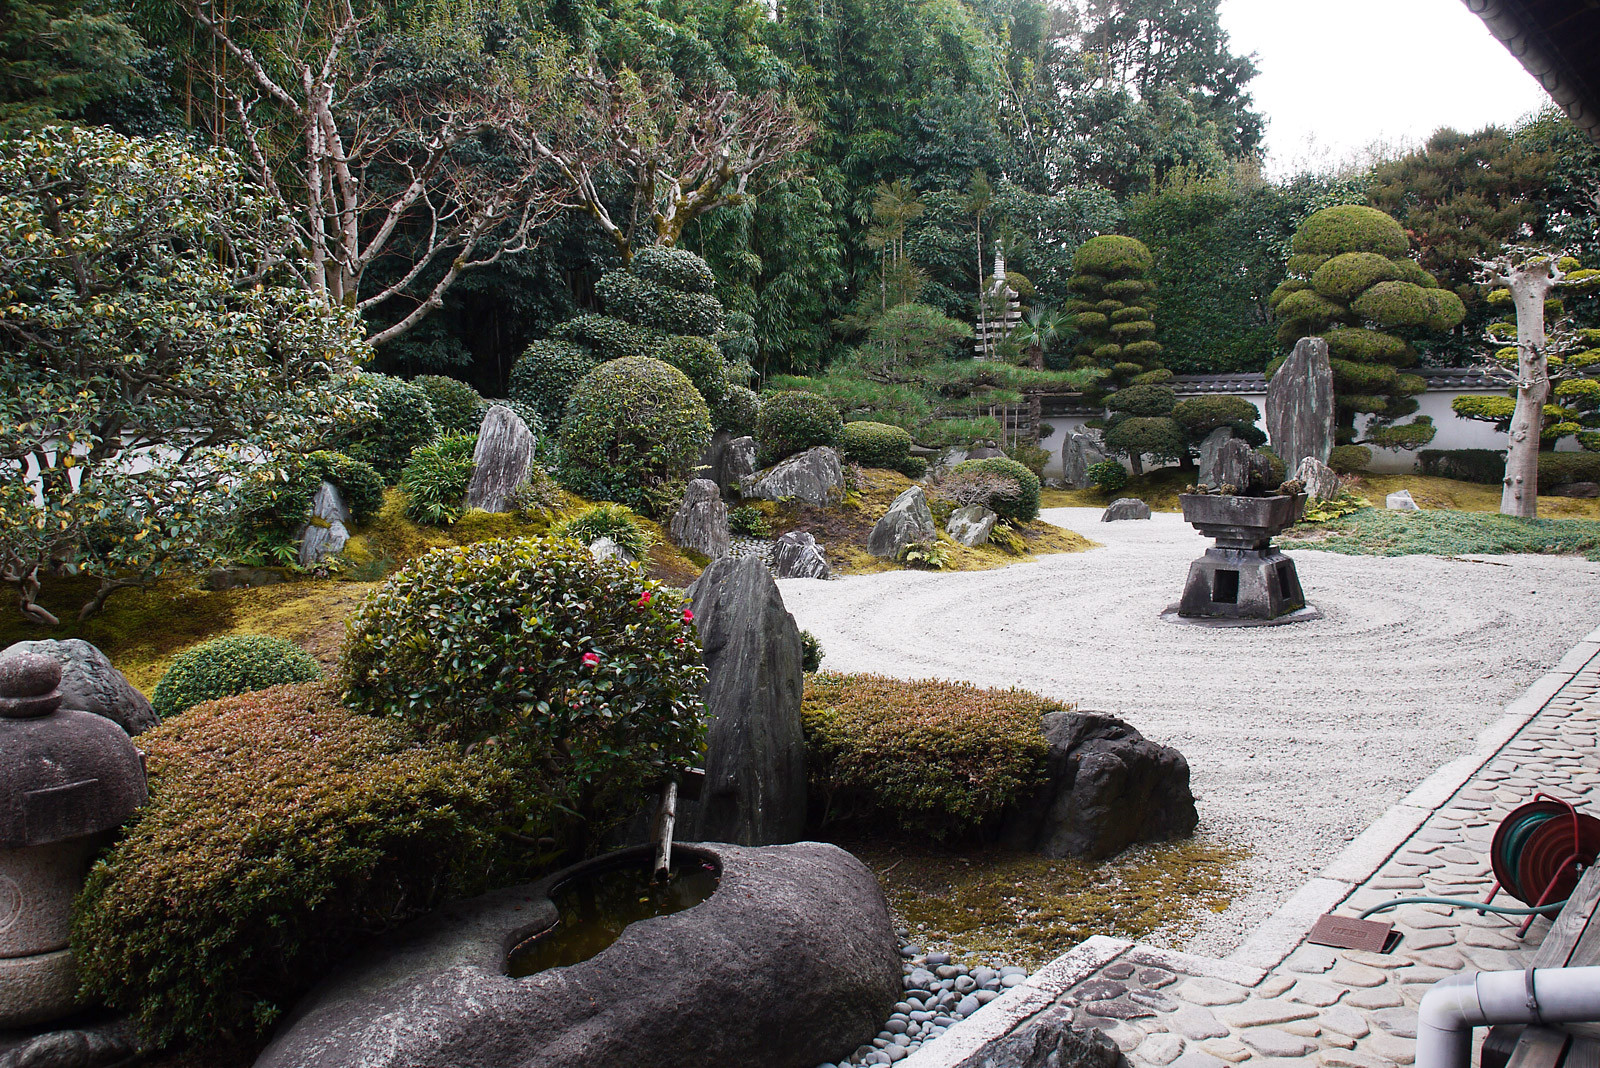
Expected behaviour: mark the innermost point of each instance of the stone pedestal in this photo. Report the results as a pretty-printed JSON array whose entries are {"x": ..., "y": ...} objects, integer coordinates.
[{"x": 1242, "y": 577}]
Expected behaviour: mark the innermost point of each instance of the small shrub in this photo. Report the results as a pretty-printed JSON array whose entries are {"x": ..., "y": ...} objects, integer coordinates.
[
  {"x": 546, "y": 374},
  {"x": 1349, "y": 459},
  {"x": 537, "y": 493},
  {"x": 739, "y": 411},
  {"x": 1487, "y": 466},
  {"x": 749, "y": 521},
  {"x": 613, "y": 521},
  {"x": 793, "y": 421},
  {"x": 913, "y": 467},
  {"x": 1024, "y": 506},
  {"x": 282, "y": 832},
  {"x": 1109, "y": 476},
  {"x": 1030, "y": 456},
  {"x": 1199, "y": 416},
  {"x": 675, "y": 268},
  {"x": 1559, "y": 468},
  {"x": 977, "y": 487},
  {"x": 875, "y": 444},
  {"x": 927, "y": 555},
  {"x": 810, "y": 652},
  {"x": 701, "y": 360},
  {"x": 403, "y": 421},
  {"x": 227, "y": 667},
  {"x": 937, "y": 758},
  {"x": 435, "y": 481},
  {"x": 609, "y": 338},
  {"x": 633, "y": 431},
  {"x": 456, "y": 405},
  {"x": 585, "y": 673}
]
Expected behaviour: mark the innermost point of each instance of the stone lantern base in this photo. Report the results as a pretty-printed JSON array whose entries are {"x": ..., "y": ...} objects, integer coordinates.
[
  {"x": 1241, "y": 584},
  {"x": 37, "y": 989}
]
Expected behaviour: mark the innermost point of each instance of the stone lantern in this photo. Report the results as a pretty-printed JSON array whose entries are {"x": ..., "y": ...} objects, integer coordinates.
[{"x": 68, "y": 779}]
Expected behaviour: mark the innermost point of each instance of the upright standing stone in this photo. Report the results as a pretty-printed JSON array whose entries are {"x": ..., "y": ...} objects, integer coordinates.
[
  {"x": 1300, "y": 405},
  {"x": 500, "y": 462},
  {"x": 1233, "y": 464},
  {"x": 727, "y": 460},
  {"x": 909, "y": 521},
  {"x": 701, "y": 521},
  {"x": 1210, "y": 473},
  {"x": 1080, "y": 450},
  {"x": 755, "y": 785},
  {"x": 327, "y": 532},
  {"x": 1400, "y": 501},
  {"x": 796, "y": 554}
]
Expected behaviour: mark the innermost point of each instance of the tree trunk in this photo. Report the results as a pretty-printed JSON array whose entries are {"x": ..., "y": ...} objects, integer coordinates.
[{"x": 1530, "y": 286}]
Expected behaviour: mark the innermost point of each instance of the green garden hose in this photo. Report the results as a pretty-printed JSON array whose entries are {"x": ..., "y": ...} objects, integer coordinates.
[{"x": 1461, "y": 903}]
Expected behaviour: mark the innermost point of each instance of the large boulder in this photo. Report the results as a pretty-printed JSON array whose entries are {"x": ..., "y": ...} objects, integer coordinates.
[
  {"x": 328, "y": 531},
  {"x": 701, "y": 521},
  {"x": 909, "y": 521},
  {"x": 791, "y": 962},
  {"x": 1300, "y": 405},
  {"x": 1322, "y": 482},
  {"x": 813, "y": 477},
  {"x": 727, "y": 461},
  {"x": 501, "y": 460},
  {"x": 1047, "y": 1040},
  {"x": 755, "y": 784},
  {"x": 796, "y": 554},
  {"x": 971, "y": 525},
  {"x": 89, "y": 683},
  {"x": 1080, "y": 450},
  {"x": 1107, "y": 787},
  {"x": 1210, "y": 468},
  {"x": 1125, "y": 508}
]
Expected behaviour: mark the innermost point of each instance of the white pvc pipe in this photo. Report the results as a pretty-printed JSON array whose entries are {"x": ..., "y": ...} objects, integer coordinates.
[{"x": 1454, "y": 1006}]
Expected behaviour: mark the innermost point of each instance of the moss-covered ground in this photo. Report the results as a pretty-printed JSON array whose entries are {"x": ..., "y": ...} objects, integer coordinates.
[
  {"x": 1442, "y": 532},
  {"x": 993, "y": 904},
  {"x": 1159, "y": 489}
]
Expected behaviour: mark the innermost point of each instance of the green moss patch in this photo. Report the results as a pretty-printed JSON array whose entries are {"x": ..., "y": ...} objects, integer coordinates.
[
  {"x": 1159, "y": 489},
  {"x": 1379, "y": 532},
  {"x": 984, "y": 904}
]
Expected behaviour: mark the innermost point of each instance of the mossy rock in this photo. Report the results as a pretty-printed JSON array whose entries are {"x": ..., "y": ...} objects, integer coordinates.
[{"x": 1351, "y": 228}]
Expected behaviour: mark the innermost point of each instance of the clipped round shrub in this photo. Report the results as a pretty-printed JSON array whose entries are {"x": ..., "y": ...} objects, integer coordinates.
[
  {"x": 1109, "y": 476},
  {"x": 633, "y": 431},
  {"x": 1351, "y": 273},
  {"x": 456, "y": 405},
  {"x": 1351, "y": 377},
  {"x": 944, "y": 759},
  {"x": 675, "y": 268},
  {"x": 1199, "y": 416},
  {"x": 1309, "y": 306},
  {"x": 609, "y": 338},
  {"x": 1349, "y": 459},
  {"x": 1159, "y": 436},
  {"x": 739, "y": 411},
  {"x": 586, "y": 673},
  {"x": 1447, "y": 309},
  {"x": 875, "y": 444},
  {"x": 283, "y": 832},
  {"x": 1128, "y": 288},
  {"x": 359, "y": 484},
  {"x": 1395, "y": 304},
  {"x": 793, "y": 421},
  {"x": 1368, "y": 346},
  {"x": 227, "y": 667},
  {"x": 546, "y": 374},
  {"x": 1023, "y": 506},
  {"x": 435, "y": 481},
  {"x": 701, "y": 360},
  {"x": 1113, "y": 256},
  {"x": 913, "y": 467},
  {"x": 659, "y": 307},
  {"x": 614, "y": 521},
  {"x": 1143, "y": 400},
  {"x": 1351, "y": 228},
  {"x": 1286, "y": 287},
  {"x": 1141, "y": 350},
  {"x": 1305, "y": 265},
  {"x": 403, "y": 419}
]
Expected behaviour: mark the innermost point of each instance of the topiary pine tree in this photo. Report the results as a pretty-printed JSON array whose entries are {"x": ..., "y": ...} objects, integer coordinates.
[
  {"x": 1352, "y": 281},
  {"x": 1114, "y": 312}
]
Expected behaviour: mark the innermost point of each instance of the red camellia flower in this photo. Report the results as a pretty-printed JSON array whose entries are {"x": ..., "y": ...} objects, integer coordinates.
[
  {"x": 688, "y": 616},
  {"x": 591, "y": 659}
]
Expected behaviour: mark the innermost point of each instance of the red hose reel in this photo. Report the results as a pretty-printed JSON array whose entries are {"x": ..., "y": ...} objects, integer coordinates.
[{"x": 1541, "y": 849}]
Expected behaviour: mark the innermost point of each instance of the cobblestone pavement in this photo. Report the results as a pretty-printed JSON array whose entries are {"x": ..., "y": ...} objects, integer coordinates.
[{"x": 1278, "y": 998}]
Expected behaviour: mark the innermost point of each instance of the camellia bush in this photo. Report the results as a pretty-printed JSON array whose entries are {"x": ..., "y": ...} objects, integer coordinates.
[
  {"x": 153, "y": 343},
  {"x": 584, "y": 674},
  {"x": 1023, "y": 506},
  {"x": 227, "y": 667},
  {"x": 793, "y": 421}
]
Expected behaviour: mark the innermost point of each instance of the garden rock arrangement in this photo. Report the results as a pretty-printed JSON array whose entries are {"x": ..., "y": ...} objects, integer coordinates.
[
  {"x": 327, "y": 533},
  {"x": 791, "y": 961},
  {"x": 813, "y": 477},
  {"x": 89, "y": 683},
  {"x": 1322, "y": 482},
  {"x": 1210, "y": 465},
  {"x": 727, "y": 461},
  {"x": 1300, "y": 405},
  {"x": 908, "y": 522},
  {"x": 1080, "y": 451},
  {"x": 755, "y": 785},
  {"x": 796, "y": 554},
  {"x": 1125, "y": 508},
  {"x": 971, "y": 525},
  {"x": 1108, "y": 787},
  {"x": 500, "y": 460},
  {"x": 701, "y": 521}
]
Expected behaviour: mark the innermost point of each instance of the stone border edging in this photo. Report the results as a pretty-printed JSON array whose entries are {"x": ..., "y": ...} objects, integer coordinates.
[{"x": 1282, "y": 932}]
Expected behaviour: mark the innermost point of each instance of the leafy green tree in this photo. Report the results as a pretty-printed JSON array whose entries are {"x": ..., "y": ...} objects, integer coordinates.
[
  {"x": 57, "y": 57},
  {"x": 1353, "y": 282},
  {"x": 155, "y": 341}
]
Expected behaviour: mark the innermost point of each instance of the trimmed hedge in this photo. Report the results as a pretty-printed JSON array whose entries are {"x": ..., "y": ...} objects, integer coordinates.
[
  {"x": 1113, "y": 256},
  {"x": 456, "y": 405},
  {"x": 1024, "y": 505},
  {"x": 546, "y": 375},
  {"x": 1349, "y": 459},
  {"x": 875, "y": 444},
  {"x": 1350, "y": 228},
  {"x": 609, "y": 338},
  {"x": 1559, "y": 468},
  {"x": 403, "y": 420},
  {"x": 937, "y": 758},
  {"x": 675, "y": 268},
  {"x": 793, "y": 421},
  {"x": 632, "y": 433},
  {"x": 282, "y": 832},
  {"x": 227, "y": 667},
  {"x": 1487, "y": 466}
]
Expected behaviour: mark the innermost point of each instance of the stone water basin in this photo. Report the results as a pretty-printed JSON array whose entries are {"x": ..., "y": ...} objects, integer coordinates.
[{"x": 789, "y": 959}]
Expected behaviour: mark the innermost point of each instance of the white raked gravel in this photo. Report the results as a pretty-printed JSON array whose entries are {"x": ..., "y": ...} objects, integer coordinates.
[{"x": 1298, "y": 737}]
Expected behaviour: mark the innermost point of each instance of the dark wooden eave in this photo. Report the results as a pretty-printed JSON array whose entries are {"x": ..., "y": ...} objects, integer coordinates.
[{"x": 1558, "y": 41}]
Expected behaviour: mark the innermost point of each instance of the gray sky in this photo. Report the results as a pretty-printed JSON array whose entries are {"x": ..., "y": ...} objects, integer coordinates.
[{"x": 1338, "y": 76}]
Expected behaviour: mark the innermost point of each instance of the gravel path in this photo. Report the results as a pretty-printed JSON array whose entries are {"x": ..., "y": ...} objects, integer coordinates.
[{"x": 1298, "y": 736}]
